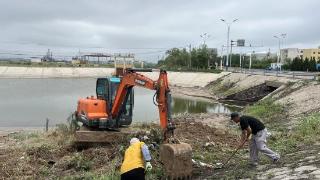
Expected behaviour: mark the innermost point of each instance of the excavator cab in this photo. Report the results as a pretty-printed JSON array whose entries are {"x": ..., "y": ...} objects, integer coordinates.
[
  {"x": 94, "y": 112},
  {"x": 106, "y": 89}
]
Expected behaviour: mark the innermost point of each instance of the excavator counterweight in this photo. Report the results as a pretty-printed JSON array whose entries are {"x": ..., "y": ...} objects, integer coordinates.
[{"x": 102, "y": 117}]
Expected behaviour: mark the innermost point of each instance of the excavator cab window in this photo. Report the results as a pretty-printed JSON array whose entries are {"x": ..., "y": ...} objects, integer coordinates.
[
  {"x": 106, "y": 89},
  {"x": 102, "y": 88}
]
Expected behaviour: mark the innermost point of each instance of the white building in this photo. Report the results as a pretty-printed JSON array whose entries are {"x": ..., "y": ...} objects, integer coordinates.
[
  {"x": 263, "y": 55},
  {"x": 35, "y": 60},
  {"x": 290, "y": 53}
]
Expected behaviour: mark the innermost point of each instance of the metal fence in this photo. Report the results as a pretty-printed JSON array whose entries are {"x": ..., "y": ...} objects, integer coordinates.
[{"x": 288, "y": 74}]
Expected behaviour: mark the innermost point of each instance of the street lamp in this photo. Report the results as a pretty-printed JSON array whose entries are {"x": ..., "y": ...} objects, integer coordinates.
[
  {"x": 280, "y": 37},
  {"x": 228, "y": 36},
  {"x": 204, "y": 37}
]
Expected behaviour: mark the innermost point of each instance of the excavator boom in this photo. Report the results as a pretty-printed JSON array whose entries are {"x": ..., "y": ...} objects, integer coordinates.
[{"x": 162, "y": 99}]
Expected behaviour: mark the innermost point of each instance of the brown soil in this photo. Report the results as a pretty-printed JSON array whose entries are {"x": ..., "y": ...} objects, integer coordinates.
[
  {"x": 198, "y": 134},
  {"x": 53, "y": 154}
]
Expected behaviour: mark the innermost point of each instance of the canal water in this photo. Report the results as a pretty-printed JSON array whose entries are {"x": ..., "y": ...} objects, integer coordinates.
[{"x": 28, "y": 102}]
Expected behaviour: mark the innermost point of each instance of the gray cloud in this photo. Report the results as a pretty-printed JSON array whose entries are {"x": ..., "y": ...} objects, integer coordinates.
[{"x": 66, "y": 26}]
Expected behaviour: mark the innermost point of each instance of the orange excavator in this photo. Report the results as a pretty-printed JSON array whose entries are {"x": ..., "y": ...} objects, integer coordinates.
[{"x": 102, "y": 117}]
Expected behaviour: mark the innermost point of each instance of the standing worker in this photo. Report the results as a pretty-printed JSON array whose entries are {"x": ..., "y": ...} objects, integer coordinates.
[
  {"x": 250, "y": 125},
  {"x": 136, "y": 156}
]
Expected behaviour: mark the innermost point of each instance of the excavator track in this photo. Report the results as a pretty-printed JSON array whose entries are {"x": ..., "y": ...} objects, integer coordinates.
[{"x": 85, "y": 137}]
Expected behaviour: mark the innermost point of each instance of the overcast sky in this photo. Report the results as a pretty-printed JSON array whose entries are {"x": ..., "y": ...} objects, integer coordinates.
[{"x": 149, "y": 27}]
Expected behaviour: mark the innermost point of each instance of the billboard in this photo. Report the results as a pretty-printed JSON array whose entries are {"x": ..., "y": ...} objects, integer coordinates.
[{"x": 240, "y": 42}]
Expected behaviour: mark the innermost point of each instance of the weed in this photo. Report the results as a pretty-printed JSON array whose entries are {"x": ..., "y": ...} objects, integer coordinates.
[
  {"x": 266, "y": 109},
  {"x": 80, "y": 163},
  {"x": 156, "y": 173},
  {"x": 270, "y": 175},
  {"x": 92, "y": 176},
  {"x": 307, "y": 131},
  {"x": 23, "y": 135},
  {"x": 44, "y": 171},
  {"x": 308, "y": 128},
  {"x": 63, "y": 128}
]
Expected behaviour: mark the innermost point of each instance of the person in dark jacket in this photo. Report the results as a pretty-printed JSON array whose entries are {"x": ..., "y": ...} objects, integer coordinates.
[{"x": 250, "y": 125}]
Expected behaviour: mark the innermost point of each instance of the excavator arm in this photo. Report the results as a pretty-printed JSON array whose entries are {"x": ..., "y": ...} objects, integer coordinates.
[{"x": 162, "y": 96}]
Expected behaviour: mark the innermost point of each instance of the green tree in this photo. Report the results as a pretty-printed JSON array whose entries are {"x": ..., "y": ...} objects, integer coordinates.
[
  {"x": 201, "y": 58},
  {"x": 297, "y": 64},
  {"x": 312, "y": 64},
  {"x": 305, "y": 64}
]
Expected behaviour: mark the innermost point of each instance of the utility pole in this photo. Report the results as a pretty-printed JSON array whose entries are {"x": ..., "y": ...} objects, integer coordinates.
[
  {"x": 231, "y": 43},
  {"x": 204, "y": 37},
  {"x": 250, "y": 60},
  {"x": 227, "y": 60},
  {"x": 240, "y": 61},
  {"x": 280, "y": 37},
  {"x": 228, "y": 36},
  {"x": 221, "y": 59},
  {"x": 190, "y": 65}
]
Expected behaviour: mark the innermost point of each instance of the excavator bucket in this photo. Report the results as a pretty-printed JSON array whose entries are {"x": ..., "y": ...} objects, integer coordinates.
[{"x": 177, "y": 160}]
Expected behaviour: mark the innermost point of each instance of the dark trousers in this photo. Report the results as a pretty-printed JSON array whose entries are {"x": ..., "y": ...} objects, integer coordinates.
[{"x": 134, "y": 174}]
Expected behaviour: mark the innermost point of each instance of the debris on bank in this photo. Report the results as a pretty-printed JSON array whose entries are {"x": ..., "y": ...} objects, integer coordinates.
[{"x": 53, "y": 154}]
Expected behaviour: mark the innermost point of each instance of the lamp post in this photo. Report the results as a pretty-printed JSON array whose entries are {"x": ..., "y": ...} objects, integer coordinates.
[
  {"x": 221, "y": 59},
  {"x": 280, "y": 37},
  {"x": 228, "y": 38},
  {"x": 231, "y": 44},
  {"x": 204, "y": 37}
]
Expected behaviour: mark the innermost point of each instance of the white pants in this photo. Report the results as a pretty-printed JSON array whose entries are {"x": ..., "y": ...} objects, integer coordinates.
[{"x": 258, "y": 143}]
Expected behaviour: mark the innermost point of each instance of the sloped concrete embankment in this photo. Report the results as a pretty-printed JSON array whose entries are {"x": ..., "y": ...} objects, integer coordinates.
[
  {"x": 52, "y": 72},
  {"x": 183, "y": 79},
  {"x": 236, "y": 82},
  {"x": 299, "y": 97}
]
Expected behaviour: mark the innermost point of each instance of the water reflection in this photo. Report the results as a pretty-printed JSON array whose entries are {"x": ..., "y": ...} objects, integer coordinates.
[{"x": 193, "y": 105}]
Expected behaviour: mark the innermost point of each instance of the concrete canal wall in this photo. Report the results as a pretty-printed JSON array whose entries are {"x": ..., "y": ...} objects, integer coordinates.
[{"x": 184, "y": 79}]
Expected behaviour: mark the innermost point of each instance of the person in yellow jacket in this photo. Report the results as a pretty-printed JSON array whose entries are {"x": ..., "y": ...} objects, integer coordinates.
[{"x": 136, "y": 161}]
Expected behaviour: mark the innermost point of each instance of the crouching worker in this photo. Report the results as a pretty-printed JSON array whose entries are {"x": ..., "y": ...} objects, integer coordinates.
[
  {"x": 250, "y": 125},
  {"x": 136, "y": 161}
]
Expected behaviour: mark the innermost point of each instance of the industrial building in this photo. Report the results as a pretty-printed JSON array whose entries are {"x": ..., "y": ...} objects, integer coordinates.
[
  {"x": 291, "y": 53},
  {"x": 311, "y": 54}
]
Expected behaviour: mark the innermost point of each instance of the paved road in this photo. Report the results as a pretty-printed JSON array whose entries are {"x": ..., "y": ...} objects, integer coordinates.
[{"x": 289, "y": 74}]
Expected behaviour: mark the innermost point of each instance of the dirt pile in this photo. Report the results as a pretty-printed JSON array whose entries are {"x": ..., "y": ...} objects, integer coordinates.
[{"x": 198, "y": 134}]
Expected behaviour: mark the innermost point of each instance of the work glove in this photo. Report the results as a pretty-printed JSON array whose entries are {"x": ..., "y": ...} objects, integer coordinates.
[{"x": 148, "y": 166}]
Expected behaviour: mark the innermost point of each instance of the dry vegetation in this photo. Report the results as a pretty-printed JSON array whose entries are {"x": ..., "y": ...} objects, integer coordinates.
[{"x": 53, "y": 154}]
